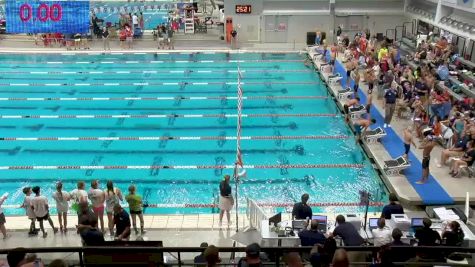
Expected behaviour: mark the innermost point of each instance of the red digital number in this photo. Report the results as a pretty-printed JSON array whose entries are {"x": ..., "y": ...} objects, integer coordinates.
[
  {"x": 59, "y": 12},
  {"x": 43, "y": 14},
  {"x": 23, "y": 8},
  {"x": 40, "y": 16}
]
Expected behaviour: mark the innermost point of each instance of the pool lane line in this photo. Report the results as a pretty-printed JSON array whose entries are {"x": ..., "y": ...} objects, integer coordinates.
[
  {"x": 180, "y": 138},
  {"x": 151, "y": 84},
  {"x": 106, "y": 62},
  {"x": 156, "y": 98},
  {"x": 155, "y": 116},
  {"x": 262, "y": 204},
  {"x": 178, "y": 167},
  {"x": 72, "y": 92},
  {"x": 188, "y": 71}
]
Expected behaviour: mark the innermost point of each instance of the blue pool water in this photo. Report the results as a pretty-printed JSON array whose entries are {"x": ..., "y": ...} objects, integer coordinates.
[{"x": 31, "y": 85}]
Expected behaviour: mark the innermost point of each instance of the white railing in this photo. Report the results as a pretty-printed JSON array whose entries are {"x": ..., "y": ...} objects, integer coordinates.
[{"x": 255, "y": 214}]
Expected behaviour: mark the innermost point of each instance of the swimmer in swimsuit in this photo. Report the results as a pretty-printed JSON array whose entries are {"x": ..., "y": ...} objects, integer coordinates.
[{"x": 361, "y": 126}]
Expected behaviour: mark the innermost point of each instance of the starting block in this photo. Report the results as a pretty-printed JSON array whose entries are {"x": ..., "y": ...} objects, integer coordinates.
[
  {"x": 345, "y": 93},
  {"x": 357, "y": 112},
  {"x": 334, "y": 79},
  {"x": 395, "y": 166},
  {"x": 372, "y": 136}
]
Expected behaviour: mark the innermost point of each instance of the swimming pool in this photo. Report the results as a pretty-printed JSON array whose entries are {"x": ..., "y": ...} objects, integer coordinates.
[{"x": 118, "y": 114}]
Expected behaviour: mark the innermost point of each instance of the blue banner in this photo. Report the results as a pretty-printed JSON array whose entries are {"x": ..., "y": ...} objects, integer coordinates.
[{"x": 37, "y": 16}]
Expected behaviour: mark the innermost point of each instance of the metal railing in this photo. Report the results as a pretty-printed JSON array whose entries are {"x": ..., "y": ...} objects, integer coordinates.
[{"x": 275, "y": 253}]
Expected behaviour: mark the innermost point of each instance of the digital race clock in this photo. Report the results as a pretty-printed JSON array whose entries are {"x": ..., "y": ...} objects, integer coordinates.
[
  {"x": 243, "y": 9},
  {"x": 37, "y": 16}
]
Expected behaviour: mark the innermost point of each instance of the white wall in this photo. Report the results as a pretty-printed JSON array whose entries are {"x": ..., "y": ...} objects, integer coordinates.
[
  {"x": 379, "y": 23},
  {"x": 300, "y": 25}
]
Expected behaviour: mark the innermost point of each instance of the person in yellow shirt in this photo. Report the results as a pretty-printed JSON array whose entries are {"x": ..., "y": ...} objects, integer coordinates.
[{"x": 135, "y": 208}]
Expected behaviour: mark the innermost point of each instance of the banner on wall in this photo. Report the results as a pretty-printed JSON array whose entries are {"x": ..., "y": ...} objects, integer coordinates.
[{"x": 35, "y": 16}]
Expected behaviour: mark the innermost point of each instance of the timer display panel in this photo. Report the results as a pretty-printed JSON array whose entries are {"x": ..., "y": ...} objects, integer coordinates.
[
  {"x": 35, "y": 16},
  {"x": 243, "y": 9}
]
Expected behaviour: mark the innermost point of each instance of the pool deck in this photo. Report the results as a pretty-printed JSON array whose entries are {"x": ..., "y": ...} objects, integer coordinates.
[{"x": 457, "y": 188}]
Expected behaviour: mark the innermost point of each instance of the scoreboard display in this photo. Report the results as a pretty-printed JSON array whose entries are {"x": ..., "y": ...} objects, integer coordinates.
[{"x": 37, "y": 16}]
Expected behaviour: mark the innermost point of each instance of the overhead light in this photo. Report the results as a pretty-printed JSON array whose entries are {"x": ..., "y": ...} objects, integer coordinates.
[
  {"x": 455, "y": 23},
  {"x": 466, "y": 27},
  {"x": 443, "y": 20},
  {"x": 449, "y": 21},
  {"x": 461, "y": 25},
  {"x": 472, "y": 30}
]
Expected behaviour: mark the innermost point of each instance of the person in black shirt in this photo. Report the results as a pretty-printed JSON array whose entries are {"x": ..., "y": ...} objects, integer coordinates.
[
  {"x": 347, "y": 232},
  {"x": 392, "y": 208},
  {"x": 453, "y": 236},
  {"x": 92, "y": 236},
  {"x": 301, "y": 210},
  {"x": 389, "y": 105},
  {"x": 311, "y": 237},
  {"x": 226, "y": 201},
  {"x": 426, "y": 236},
  {"x": 200, "y": 259},
  {"x": 253, "y": 256},
  {"x": 122, "y": 223}
]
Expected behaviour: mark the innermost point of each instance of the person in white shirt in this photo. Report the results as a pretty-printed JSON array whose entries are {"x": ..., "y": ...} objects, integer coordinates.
[
  {"x": 135, "y": 21},
  {"x": 40, "y": 207},
  {"x": 97, "y": 198},
  {"x": 62, "y": 206},
  {"x": 382, "y": 235},
  {"x": 29, "y": 212},
  {"x": 79, "y": 195}
]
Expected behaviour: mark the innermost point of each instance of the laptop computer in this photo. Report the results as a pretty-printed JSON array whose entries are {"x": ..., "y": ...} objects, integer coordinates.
[
  {"x": 373, "y": 223},
  {"x": 322, "y": 222},
  {"x": 298, "y": 225},
  {"x": 417, "y": 223}
]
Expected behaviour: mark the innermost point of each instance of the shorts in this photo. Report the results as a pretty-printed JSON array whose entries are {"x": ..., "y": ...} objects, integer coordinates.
[
  {"x": 137, "y": 212},
  {"x": 44, "y": 218},
  {"x": 348, "y": 73},
  {"x": 370, "y": 88},
  {"x": 98, "y": 209},
  {"x": 368, "y": 108},
  {"x": 406, "y": 148},
  {"x": 358, "y": 129},
  {"x": 355, "y": 87},
  {"x": 332, "y": 62},
  {"x": 2, "y": 218},
  {"x": 425, "y": 162}
]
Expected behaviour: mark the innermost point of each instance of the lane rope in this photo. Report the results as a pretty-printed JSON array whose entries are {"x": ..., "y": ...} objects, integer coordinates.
[
  {"x": 154, "y": 98},
  {"x": 177, "y": 167},
  {"x": 150, "y": 83},
  {"x": 153, "y": 71},
  {"x": 154, "y": 116},
  {"x": 181, "y": 138},
  {"x": 155, "y": 61}
]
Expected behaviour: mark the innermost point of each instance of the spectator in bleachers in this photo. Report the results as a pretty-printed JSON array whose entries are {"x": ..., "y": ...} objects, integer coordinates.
[
  {"x": 312, "y": 236},
  {"x": 392, "y": 208},
  {"x": 302, "y": 210},
  {"x": 253, "y": 256},
  {"x": 347, "y": 232},
  {"x": 212, "y": 256},
  {"x": 293, "y": 259},
  {"x": 466, "y": 160},
  {"x": 321, "y": 256},
  {"x": 340, "y": 259},
  {"x": 397, "y": 235},
  {"x": 453, "y": 235},
  {"x": 456, "y": 151},
  {"x": 382, "y": 234},
  {"x": 200, "y": 259}
]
